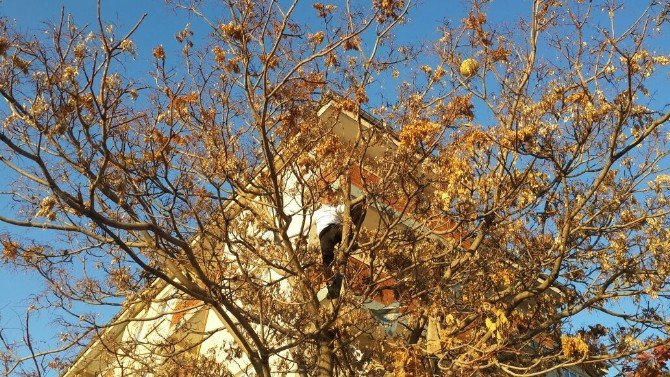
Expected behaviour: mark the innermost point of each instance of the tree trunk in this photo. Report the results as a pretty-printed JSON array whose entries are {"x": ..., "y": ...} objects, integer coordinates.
[{"x": 325, "y": 362}]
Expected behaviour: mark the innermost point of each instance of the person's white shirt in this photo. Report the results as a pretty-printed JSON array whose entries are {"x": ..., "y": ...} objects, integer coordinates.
[{"x": 327, "y": 215}]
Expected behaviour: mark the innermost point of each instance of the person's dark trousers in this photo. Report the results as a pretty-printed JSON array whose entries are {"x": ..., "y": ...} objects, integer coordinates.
[{"x": 331, "y": 235}]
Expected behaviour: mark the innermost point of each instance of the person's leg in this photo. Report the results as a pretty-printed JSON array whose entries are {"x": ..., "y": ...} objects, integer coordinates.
[
  {"x": 357, "y": 213},
  {"x": 329, "y": 238}
]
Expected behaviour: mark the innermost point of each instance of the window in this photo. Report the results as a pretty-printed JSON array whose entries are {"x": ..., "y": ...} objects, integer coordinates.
[{"x": 570, "y": 373}]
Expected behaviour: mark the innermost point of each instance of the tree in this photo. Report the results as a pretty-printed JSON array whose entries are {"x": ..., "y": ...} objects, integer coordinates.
[{"x": 518, "y": 193}]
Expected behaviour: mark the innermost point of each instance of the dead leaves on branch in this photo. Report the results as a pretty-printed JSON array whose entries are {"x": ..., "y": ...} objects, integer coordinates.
[
  {"x": 492, "y": 162},
  {"x": 574, "y": 347}
]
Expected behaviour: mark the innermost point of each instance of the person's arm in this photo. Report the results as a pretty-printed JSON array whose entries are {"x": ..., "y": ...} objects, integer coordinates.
[
  {"x": 342, "y": 182},
  {"x": 353, "y": 202},
  {"x": 358, "y": 200}
]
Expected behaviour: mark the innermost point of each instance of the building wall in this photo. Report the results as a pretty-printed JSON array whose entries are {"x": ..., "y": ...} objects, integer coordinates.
[{"x": 169, "y": 320}]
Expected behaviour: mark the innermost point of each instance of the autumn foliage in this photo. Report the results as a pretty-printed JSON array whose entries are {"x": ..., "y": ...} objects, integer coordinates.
[{"x": 518, "y": 176}]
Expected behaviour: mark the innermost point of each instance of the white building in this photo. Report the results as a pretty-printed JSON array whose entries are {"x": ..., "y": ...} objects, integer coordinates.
[{"x": 131, "y": 346}]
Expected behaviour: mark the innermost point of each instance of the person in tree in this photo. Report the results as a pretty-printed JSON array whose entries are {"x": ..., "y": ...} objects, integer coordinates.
[{"x": 329, "y": 226}]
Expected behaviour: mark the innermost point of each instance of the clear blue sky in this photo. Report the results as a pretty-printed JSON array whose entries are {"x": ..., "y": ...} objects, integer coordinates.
[{"x": 160, "y": 26}]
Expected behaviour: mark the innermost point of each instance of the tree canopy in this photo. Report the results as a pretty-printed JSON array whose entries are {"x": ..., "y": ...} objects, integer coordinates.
[{"x": 518, "y": 170}]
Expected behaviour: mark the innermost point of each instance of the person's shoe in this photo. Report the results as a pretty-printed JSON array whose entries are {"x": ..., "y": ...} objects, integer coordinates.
[{"x": 335, "y": 287}]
